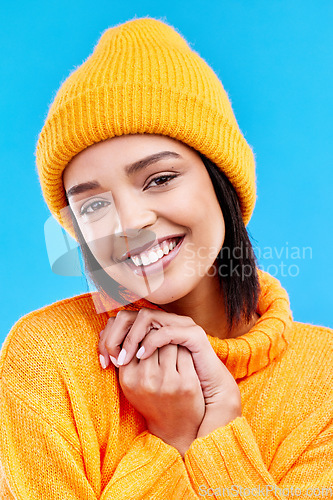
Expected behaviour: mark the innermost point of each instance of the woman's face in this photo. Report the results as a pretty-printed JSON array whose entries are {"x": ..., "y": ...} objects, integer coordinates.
[{"x": 144, "y": 191}]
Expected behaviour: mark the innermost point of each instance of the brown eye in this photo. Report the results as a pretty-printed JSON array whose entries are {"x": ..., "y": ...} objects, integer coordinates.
[{"x": 162, "y": 180}]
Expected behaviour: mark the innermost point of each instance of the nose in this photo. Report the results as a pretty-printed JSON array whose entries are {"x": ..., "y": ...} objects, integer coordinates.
[{"x": 132, "y": 215}]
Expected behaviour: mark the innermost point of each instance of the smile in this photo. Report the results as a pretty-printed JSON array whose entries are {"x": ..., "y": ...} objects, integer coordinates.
[
  {"x": 156, "y": 253},
  {"x": 150, "y": 261}
]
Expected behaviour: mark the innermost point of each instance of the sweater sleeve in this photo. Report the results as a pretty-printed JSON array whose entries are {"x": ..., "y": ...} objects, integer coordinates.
[
  {"x": 150, "y": 470},
  {"x": 228, "y": 462},
  {"x": 37, "y": 462},
  {"x": 49, "y": 446}
]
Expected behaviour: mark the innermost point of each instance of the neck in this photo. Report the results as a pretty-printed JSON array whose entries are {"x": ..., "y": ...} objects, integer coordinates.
[{"x": 212, "y": 316}]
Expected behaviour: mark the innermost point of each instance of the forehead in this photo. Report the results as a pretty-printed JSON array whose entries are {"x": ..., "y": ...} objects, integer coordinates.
[{"x": 120, "y": 151}]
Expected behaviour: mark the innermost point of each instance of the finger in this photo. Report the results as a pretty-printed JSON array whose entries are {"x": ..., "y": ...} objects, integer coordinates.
[
  {"x": 146, "y": 320},
  {"x": 207, "y": 364},
  {"x": 104, "y": 336},
  {"x": 115, "y": 331},
  {"x": 104, "y": 357},
  {"x": 150, "y": 365},
  {"x": 144, "y": 374},
  {"x": 186, "y": 371},
  {"x": 167, "y": 358},
  {"x": 185, "y": 365},
  {"x": 193, "y": 338},
  {"x": 103, "y": 353}
]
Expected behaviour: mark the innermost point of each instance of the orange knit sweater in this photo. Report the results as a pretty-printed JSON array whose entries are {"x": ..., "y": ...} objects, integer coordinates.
[{"x": 67, "y": 431}]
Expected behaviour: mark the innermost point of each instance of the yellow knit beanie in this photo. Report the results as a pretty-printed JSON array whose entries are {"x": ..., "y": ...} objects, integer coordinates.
[{"x": 143, "y": 78}]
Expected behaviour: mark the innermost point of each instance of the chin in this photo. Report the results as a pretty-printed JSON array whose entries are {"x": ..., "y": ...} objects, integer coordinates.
[
  {"x": 161, "y": 289},
  {"x": 166, "y": 295}
]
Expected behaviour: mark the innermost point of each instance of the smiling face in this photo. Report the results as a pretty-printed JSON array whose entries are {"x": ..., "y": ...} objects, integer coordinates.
[{"x": 135, "y": 192}]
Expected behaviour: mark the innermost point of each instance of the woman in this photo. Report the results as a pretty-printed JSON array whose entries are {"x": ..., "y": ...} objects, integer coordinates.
[{"x": 184, "y": 376}]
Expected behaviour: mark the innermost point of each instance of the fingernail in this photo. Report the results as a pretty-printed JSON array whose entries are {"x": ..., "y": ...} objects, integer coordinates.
[
  {"x": 121, "y": 357},
  {"x": 114, "y": 361},
  {"x": 140, "y": 352},
  {"x": 100, "y": 333},
  {"x": 102, "y": 361}
]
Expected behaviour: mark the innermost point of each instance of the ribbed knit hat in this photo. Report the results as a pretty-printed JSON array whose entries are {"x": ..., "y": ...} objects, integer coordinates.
[{"x": 143, "y": 78}]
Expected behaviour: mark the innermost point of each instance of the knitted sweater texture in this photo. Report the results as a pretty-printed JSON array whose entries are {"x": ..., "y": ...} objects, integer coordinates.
[{"x": 68, "y": 432}]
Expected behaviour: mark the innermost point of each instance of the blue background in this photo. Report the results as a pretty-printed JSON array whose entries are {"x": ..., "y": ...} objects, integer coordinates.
[{"x": 275, "y": 61}]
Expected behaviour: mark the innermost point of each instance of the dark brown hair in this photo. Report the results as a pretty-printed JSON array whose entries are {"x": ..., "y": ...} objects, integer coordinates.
[{"x": 236, "y": 263}]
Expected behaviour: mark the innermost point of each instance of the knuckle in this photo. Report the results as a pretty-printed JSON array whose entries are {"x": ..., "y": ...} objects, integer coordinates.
[
  {"x": 127, "y": 380},
  {"x": 101, "y": 346},
  {"x": 200, "y": 332},
  {"x": 149, "y": 385},
  {"x": 189, "y": 388},
  {"x": 189, "y": 320},
  {"x": 110, "y": 347},
  {"x": 123, "y": 314},
  {"x": 148, "y": 343},
  {"x": 170, "y": 387},
  {"x": 167, "y": 330},
  {"x": 168, "y": 392},
  {"x": 144, "y": 312},
  {"x": 130, "y": 341}
]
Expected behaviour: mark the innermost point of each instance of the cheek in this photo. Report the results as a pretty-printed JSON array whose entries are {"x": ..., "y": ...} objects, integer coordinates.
[
  {"x": 217, "y": 226},
  {"x": 189, "y": 205},
  {"x": 99, "y": 243},
  {"x": 88, "y": 234},
  {"x": 200, "y": 206},
  {"x": 209, "y": 219}
]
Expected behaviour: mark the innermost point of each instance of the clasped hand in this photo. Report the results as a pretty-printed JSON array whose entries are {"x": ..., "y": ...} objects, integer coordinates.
[{"x": 177, "y": 383}]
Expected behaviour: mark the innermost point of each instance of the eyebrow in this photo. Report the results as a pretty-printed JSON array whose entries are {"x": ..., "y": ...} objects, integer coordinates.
[{"x": 129, "y": 169}]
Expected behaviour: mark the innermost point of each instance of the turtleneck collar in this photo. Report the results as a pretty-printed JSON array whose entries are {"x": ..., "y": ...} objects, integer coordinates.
[
  {"x": 247, "y": 353},
  {"x": 266, "y": 340}
]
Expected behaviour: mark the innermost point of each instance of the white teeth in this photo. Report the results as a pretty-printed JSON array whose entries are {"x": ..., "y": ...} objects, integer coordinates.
[
  {"x": 166, "y": 248},
  {"x": 153, "y": 256},
  {"x": 136, "y": 259},
  {"x": 145, "y": 260},
  {"x": 156, "y": 253}
]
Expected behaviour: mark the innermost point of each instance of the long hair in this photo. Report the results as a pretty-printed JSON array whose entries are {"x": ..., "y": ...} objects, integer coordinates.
[{"x": 236, "y": 263}]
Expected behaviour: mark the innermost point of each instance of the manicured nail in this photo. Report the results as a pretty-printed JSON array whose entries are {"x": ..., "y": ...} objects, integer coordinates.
[
  {"x": 121, "y": 357},
  {"x": 100, "y": 333},
  {"x": 114, "y": 361},
  {"x": 140, "y": 352},
  {"x": 102, "y": 361}
]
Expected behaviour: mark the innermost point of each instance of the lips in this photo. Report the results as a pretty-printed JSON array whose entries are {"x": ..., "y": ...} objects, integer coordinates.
[
  {"x": 158, "y": 266},
  {"x": 155, "y": 253},
  {"x": 147, "y": 246}
]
